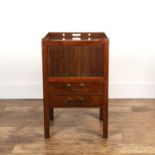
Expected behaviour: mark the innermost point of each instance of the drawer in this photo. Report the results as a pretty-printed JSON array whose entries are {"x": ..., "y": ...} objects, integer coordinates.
[
  {"x": 75, "y": 85},
  {"x": 71, "y": 100}
]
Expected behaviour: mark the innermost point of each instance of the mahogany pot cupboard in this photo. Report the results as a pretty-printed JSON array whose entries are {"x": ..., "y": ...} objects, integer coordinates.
[{"x": 75, "y": 74}]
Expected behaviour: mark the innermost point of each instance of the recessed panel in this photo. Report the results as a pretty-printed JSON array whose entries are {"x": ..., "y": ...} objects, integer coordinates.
[{"x": 75, "y": 61}]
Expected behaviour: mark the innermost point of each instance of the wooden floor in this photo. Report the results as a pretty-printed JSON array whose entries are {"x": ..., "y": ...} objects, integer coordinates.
[{"x": 77, "y": 131}]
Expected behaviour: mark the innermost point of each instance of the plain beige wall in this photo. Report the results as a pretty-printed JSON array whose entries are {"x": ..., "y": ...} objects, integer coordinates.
[{"x": 129, "y": 24}]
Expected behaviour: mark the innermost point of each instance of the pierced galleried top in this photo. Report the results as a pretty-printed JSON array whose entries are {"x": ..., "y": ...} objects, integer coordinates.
[{"x": 75, "y": 36}]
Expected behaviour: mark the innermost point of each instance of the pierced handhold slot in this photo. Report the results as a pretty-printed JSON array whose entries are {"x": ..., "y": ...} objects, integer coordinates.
[
  {"x": 76, "y": 38},
  {"x": 76, "y": 34}
]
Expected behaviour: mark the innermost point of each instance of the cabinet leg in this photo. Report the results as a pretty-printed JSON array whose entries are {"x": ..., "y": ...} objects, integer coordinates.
[
  {"x": 101, "y": 114},
  {"x": 46, "y": 123},
  {"x": 105, "y": 121},
  {"x": 51, "y": 113}
]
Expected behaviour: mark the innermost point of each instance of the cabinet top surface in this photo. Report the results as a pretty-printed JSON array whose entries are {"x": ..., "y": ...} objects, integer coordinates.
[{"x": 75, "y": 36}]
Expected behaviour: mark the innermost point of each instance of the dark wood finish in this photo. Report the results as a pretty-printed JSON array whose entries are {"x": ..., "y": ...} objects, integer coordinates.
[
  {"x": 101, "y": 114},
  {"x": 68, "y": 36},
  {"x": 75, "y": 85},
  {"x": 75, "y": 73},
  {"x": 74, "y": 100},
  {"x": 45, "y": 91},
  {"x": 51, "y": 113},
  {"x": 105, "y": 87},
  {"x": 75, "y": 61}
]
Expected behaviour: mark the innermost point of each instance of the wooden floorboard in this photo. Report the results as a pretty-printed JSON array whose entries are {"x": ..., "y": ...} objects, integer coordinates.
[{"x": 77, "y": 131}]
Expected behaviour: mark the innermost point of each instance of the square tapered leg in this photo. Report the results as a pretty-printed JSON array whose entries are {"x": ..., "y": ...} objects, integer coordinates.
[
  {"x": 101, "y": 114},
  {"x": 46, "y": 123},
  {"x": 105, "y": 120},
  {"x": 51, "y": 113}
]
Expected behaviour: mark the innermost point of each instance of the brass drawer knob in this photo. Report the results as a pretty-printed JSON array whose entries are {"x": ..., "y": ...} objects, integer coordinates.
[
  {"x": 82, "y": 84},
  {"x": 82, "y": 99},
  {"x": 69, "y": 99},
  {"x": 68, "y": 85},
  {"x": 75, "y": 101}
]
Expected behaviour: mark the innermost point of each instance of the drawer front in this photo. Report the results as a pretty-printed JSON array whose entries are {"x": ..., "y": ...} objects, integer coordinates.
[
  {"x": 79, "y": 85},
  {"x": 72, "y": 100}
]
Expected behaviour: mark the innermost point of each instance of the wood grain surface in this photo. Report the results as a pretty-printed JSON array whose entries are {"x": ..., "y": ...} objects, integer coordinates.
[
  {"x": 75, "y": 55},
  {"x": 77, "y": 131},
  {"x": 75, "y": 61}
]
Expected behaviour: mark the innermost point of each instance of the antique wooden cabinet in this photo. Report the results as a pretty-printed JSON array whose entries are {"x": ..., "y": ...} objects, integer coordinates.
[{"x": 75, "y": 74}]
